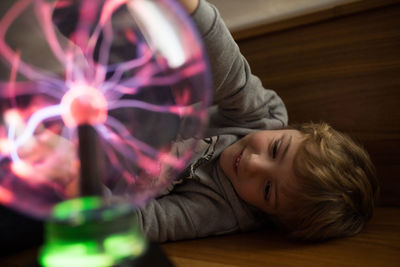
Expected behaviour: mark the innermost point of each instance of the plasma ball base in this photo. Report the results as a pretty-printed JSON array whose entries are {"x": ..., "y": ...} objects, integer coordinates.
[{"x": 87, "y": 233}]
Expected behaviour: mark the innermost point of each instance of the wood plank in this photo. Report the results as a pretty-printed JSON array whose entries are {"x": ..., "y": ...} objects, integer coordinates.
[
  {"x": 239, "y": 14},
  {"x": 378, "y": 245},
  {"x": 330, "y": 13}
]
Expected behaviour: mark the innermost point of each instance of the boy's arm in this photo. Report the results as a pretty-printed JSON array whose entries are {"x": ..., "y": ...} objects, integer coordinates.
[
  {"x": 186, "y": 215},
  {"x": 241, "y": 98}
]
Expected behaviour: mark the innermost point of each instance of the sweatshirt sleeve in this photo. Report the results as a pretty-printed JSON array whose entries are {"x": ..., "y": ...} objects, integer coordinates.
[
  {"x": 186, "y": 215},
  {"x": 240, "y": 96}
]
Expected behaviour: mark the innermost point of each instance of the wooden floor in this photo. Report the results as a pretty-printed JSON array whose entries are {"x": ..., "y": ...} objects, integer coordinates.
[{"x": 378, "y": 245}]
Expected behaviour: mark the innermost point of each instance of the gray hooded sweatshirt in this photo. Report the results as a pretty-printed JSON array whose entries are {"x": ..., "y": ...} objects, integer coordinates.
[{"x": 203, "y": 202}]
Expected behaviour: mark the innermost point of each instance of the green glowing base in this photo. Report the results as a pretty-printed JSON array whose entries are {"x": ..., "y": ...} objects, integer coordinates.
[{"x": 85, "y": 232}]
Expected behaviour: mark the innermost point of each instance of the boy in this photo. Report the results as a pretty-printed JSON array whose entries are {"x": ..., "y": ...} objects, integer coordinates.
[{"x": 310, "y": 180}]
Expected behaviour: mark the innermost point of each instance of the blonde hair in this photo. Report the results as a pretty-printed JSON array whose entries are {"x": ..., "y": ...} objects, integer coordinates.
[{"x": 338, "y": 186}]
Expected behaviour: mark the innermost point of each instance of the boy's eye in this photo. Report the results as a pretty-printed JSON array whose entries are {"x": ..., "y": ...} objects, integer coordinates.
[
  {"x": 275, "y": 149},
  {"x": 267, "y": 189}
]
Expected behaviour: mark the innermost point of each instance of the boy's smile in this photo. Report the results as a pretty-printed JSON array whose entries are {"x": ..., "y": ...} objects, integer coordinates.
[
  {"x": 236, "y": 161},
  {"x": 260, "y": 167}
]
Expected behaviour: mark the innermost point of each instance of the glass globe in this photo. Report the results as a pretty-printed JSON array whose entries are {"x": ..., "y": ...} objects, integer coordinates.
[{"x": 134, "y": 73}]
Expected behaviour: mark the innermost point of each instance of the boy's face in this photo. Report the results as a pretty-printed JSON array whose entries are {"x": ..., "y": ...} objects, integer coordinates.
[{"x": 260, "y": 167}]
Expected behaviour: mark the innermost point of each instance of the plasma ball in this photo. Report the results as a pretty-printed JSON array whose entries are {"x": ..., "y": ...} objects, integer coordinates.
[
  {"x": 84, "y": 104},
  {"x": 135, "y": 70}
]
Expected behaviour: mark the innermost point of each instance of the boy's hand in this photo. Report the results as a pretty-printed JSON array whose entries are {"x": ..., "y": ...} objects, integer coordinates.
[
  {"x": 53, "y": 158},
  {"x": 189, "y": 5}
]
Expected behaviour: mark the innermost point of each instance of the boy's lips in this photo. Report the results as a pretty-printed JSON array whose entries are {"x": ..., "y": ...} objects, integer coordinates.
[{"x": 236, "y": 161}]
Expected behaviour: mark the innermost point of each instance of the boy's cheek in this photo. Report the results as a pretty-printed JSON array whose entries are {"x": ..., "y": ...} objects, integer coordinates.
[{"x": 226, "y": 162}]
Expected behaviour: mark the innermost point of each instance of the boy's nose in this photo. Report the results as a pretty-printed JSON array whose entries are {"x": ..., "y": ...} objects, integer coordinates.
[{"x": 257, "y": 164}]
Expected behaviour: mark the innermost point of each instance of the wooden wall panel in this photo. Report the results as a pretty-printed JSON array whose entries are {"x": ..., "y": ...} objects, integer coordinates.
[{"x": 345, "y": 71}]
